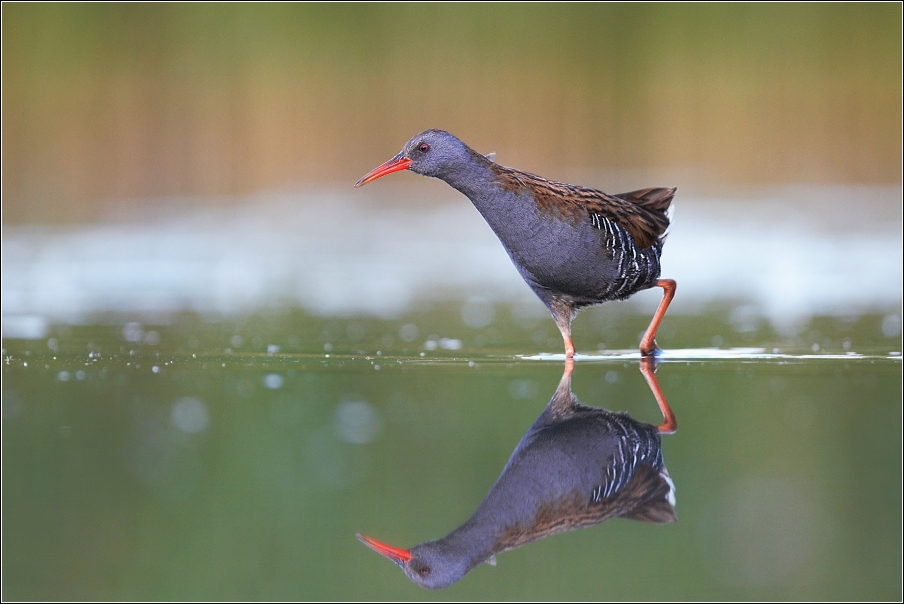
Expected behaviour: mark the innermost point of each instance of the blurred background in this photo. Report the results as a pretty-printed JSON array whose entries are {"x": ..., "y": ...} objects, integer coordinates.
[
  {"x": 215, "y": 346},
  {"x": 159, "y": 159},
  {"x": 110, "y": 104}
]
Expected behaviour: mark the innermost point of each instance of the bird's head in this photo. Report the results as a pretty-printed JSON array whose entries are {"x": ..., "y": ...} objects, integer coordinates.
[
  {"x": 431, "y": 565},
  {"x": 431, "y": 153}
]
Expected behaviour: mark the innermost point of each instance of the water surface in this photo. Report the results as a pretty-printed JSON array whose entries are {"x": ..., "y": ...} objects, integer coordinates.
[{"x": 208, "y": 460}]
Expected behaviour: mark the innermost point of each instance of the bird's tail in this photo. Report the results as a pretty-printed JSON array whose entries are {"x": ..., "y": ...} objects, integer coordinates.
[{"x": 655, "y": 199}]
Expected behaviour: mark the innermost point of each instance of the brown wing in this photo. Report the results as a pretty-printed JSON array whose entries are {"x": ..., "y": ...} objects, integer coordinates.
[
  {"x": 649, "y": 496},
  {"x": 657, "y": 512},
  {"x": 642, "y": 213},
  {"x": 645, "y": 498}
]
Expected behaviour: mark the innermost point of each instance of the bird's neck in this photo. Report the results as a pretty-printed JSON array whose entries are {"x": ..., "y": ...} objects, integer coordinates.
[
  {"x": 477, "y": 180},
  {"x": 475, "y": 541}
]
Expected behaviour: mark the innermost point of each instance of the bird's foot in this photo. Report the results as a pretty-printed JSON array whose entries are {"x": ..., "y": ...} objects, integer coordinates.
[{"x": 650, "y": 350}]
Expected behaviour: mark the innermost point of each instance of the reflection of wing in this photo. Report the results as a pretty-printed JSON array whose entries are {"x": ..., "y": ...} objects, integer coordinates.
[
  {"x": 649, "y": 496},
  {"x": 619, "y": 470},
  {"x": 633, "y": 447},
  {"x": 660, "y": 511},
  {"x": 635, "y": 483}
]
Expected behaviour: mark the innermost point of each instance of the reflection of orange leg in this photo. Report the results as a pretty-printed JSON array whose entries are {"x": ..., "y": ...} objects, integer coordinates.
[
  {"x": 648, "y": 369},
  {"x": 563, "y": 399},
  {"x": 648, "y": 343},
  {"x": 569, "y": 367}
]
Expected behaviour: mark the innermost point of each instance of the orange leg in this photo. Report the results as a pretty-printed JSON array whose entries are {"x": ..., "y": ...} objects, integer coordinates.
[
  {"x": 648, "y": 369},
  {"x": 564, "y": 315},
  {"x": 648, "y": 343},
  {"x": 569, "y": 346}
]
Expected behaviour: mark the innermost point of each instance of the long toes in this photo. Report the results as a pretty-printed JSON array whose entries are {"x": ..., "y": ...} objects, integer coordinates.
[{"x": 653, "y": 351}]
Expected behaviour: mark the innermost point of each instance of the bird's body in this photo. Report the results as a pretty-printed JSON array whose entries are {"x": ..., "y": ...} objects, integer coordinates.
[
  {"x": 574, "y": 246},
  {"x": 577, "y": 466}
]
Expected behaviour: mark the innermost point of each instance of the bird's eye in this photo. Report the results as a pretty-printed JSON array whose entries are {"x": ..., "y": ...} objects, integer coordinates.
[
  {"x": 423, "y": 148},
  {"x": 425, "y": 570}
]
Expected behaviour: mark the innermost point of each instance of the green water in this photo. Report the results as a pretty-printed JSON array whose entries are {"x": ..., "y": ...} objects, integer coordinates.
[{"x": 150, "y": 462}]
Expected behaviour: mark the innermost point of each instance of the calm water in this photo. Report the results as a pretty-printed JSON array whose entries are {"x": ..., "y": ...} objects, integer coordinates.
[{"x": 237, "y": 459}]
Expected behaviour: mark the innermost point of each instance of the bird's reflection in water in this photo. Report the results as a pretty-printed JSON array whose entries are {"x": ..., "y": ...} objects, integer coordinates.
[{"x": 576, "y": 466}]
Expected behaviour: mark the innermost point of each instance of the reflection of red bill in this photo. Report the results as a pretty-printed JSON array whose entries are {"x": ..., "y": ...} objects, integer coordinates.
[
  {"x": 396, "y": 554},
  {"x": 393, "y": 165}
]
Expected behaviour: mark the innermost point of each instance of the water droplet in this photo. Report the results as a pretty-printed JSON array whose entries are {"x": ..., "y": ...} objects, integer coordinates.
[
  {"x": 356, "y": 331},
  {"x": 244, "y": 387},
  {"x": 891, "y": 326},
  {"x": 523, "y": 389},
  {"x": 12, "y": 404},
  {"x": 189, "y": 415},
  {"x": 408, "y": 332},
  {"x": 273, "y": 381},
  {"x": 450, "y": 344},
  {"x": 132, "y": 332},
  {"x": 357, "y": 422},
  {"x": 477, "y": 312}
]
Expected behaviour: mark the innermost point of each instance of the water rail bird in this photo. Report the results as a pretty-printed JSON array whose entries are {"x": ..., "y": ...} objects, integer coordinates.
[
  {"x": 575, "y": 246},
  {"x": 576, "y": 466}
]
